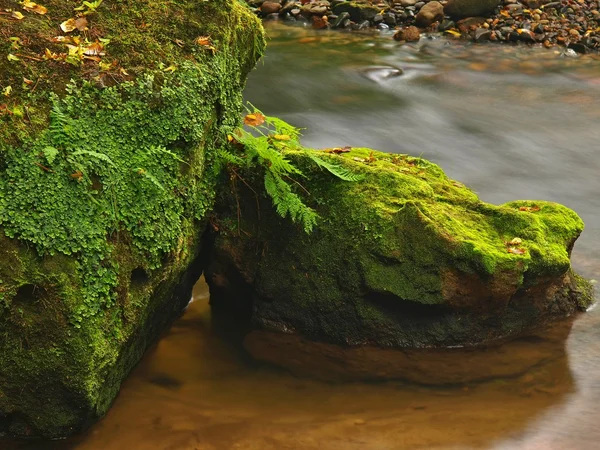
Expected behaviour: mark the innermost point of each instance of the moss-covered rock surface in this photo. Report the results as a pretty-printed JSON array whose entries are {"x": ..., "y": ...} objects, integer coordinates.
[
  {"x": 110, "y": 116},
  {"x": 403, "y": 258}
]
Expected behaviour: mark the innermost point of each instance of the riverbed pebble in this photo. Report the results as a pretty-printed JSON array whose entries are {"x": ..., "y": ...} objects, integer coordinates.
[{"x": 572, "y": 24}]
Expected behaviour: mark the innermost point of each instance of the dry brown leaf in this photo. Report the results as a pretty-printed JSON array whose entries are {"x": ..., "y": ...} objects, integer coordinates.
[{"x": 81, "y": 23}]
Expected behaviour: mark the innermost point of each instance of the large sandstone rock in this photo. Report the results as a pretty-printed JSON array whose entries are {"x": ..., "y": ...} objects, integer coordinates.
[
  {"x": 404, "y": 259},
  {"x": 104, "y": 190},
  {"x": 458, "y": 9}
]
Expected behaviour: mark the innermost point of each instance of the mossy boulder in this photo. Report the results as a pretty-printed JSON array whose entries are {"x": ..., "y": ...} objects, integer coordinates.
[
  {"x": 406, "y": 258},
  {"x": 110, "y": 117}
]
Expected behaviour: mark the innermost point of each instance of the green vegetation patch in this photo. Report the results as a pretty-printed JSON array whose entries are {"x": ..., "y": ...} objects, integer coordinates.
[{"x": 111, "y": 115}]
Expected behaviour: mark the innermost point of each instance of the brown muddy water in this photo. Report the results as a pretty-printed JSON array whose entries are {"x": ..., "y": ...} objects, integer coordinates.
[{"x": 511, "y": 122}]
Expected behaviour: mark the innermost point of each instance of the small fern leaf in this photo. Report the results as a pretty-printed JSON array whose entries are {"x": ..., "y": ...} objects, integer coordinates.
[
  {"x": 287, "y": 203},
  {"x": 100, "y": 156},
  {"x": 335, "y": 169},
  {"x": 150, "y": 177}
]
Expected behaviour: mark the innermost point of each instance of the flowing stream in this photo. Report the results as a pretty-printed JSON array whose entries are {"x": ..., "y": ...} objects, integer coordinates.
[{"x": 510, "y": 122}]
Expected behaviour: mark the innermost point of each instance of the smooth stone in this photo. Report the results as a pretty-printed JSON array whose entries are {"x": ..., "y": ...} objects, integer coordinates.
[
  {"x": 270, "y": 8},
  {"x": 431, "y": 12}
]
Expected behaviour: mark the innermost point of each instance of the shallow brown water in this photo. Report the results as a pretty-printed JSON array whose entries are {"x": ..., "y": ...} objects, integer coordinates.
[
  {"x": 511, "y": 123},
  {"x": 196, "y": 390}
]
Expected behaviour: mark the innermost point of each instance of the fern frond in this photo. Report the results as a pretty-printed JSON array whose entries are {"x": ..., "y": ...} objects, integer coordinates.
[
  {"x": 161, "y": 149},
  {"x": 287, "y": 203},
  {"x": 150, "y": 177},
  {"x": 282, "y": 127},
  {"x": 100, "y": 156},
  {"x": 227, "y": 157},
  {"x": 335, "y": 169},
  {"x": 59, "y": 126}
]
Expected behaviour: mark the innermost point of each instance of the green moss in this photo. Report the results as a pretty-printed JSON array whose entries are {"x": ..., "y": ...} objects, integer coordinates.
[
  {"x": 404, "y": 257},
  {"x": 105, "y": 180}
]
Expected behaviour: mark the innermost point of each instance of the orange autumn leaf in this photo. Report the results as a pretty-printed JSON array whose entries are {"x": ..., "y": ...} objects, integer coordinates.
[
  {"x": 254, "y": 119},
  {"x": 516, "y": 251},
  {"x": 203, "y": 40},
  {"x": 77, "y": 175}
]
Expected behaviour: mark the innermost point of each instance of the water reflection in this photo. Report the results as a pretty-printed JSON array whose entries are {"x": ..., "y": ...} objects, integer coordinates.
[{"x": 195, "y": 390}]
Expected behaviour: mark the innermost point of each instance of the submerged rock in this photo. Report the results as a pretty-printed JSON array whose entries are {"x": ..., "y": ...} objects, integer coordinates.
[
  {"x": 404, "y": 259},
  {"x": 106, "y": 134}
]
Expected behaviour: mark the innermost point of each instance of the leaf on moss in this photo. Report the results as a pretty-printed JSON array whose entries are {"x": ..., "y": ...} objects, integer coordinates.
[
  {"x": 94, "y": 49},
  {"x": 516, "y": 251},
  {"x": 205, "y": 41},
  {"x": 12, "y": 57},
  {"x": 254, "y": 120},
  {"x": 338, "y": 150},
  {"x": 17, "y": 15},
  {"x": 34, "y": 8},
  {"x": 281, "y": 137},
  {"x": 72, "y": 24},
  {"x": 529, "y": 208},
  {"x": 7, "y": 91}
]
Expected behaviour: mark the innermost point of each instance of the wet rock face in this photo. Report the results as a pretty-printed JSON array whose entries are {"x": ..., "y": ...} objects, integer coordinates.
[
  {"x": 404, "y": 259},
  {"x": 458, "y": 9}
]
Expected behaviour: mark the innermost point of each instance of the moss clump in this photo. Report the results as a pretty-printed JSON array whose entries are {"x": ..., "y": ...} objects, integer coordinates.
[
  {"x": 105, "y": 179},
  {"x": 406, "y": 257}
]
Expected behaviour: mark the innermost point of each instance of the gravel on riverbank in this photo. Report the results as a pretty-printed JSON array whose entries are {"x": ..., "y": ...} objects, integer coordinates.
[{"x": 569, "y": 23}]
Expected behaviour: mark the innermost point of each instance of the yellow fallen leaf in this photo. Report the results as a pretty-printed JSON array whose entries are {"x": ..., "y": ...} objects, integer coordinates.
[
  {"x": 17, "y": 15},
  {"x": 515, "y": 241},
  {"x": 7, "y": 91},
  {"x": 68, "y": 25},
  {"x": 12, "y": 57},
  {"x": 453, "y": 33},
  {"x": 34, "y": 8},
  {"x": 51, "y": 55},
  {"x": 282, "y": 137}
]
